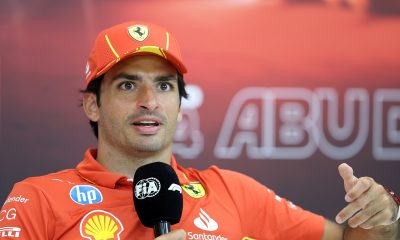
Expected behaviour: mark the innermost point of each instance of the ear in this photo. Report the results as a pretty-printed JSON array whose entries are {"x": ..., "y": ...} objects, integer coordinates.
[
  {"x": 180, "y": 115},
  {"x": 90, "y": 106}
]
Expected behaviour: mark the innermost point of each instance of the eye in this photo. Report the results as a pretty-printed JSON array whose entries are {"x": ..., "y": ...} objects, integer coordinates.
[
  {"x": 127, "y": 86},
  {"x": 165, "y": 86}
]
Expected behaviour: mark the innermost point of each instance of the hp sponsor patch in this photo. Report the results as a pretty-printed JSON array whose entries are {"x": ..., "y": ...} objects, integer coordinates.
[{"x": 85, "y": 194}]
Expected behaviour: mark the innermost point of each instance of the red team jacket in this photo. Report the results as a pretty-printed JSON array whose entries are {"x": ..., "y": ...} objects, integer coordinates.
[{"x": 89, "y": 202}]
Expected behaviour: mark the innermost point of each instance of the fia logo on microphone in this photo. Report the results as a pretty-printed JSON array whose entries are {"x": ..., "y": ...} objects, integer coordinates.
[{"x": 148, "y": 187}]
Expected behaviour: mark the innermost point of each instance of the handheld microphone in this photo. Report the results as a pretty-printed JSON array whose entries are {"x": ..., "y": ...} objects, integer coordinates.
[{"x": 157, "y": 195}]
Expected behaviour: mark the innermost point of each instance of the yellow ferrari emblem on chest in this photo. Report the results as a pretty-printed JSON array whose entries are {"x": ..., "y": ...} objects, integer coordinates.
[{"x": 194, "y": 189}]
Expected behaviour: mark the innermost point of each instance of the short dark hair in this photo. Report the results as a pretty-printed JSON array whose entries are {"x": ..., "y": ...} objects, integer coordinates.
[{"x": 95, "y": 86}]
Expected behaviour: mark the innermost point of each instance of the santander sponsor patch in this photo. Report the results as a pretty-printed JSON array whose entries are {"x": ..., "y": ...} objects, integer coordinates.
[
  {"x": 204, "y": 236},
  {"x": 206, "y": 223},
  {"x": 16, "y": 199}
]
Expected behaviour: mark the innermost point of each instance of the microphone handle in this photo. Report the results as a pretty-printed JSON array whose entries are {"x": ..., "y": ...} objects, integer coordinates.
[{"x": 161, "y": 227}]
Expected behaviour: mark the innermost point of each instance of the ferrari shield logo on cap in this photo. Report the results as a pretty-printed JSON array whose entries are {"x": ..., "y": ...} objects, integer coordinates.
[
  {"x": 138, "y": 32},
  {"x": 194, "y": 189}
]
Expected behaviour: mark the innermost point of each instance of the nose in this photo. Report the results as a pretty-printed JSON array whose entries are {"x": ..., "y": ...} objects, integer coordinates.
[{"x": 147, "y": 98}]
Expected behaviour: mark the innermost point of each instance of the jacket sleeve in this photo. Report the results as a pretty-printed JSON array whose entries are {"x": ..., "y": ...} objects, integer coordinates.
[
  {"x": 26, "y": 214},
  {"x": 265, "y": 215}
]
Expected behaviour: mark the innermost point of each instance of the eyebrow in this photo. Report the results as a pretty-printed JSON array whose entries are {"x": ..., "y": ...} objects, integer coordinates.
[{"x": 128, "y": 76}]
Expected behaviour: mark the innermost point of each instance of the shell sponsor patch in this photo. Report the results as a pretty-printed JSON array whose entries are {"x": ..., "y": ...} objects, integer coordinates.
[
  {"x": 194, "y": 189},
  {"x": 101, "y": 225}
]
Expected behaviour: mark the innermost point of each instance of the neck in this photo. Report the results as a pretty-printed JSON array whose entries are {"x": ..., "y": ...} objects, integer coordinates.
[{"x": 126, "y": 163}]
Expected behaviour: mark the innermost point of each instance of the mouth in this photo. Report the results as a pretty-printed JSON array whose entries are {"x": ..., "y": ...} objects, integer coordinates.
[
  {"x": 147, "y": 126},
  {"x": 147, "y": 123}
]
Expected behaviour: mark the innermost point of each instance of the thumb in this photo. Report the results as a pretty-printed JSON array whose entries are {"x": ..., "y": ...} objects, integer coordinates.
[
  {"x": 178, "y": 234},
  {"x": 346, "y": 172}
]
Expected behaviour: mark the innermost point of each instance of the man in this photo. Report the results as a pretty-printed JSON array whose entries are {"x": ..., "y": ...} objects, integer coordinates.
[{"x": 132, "y": 99}]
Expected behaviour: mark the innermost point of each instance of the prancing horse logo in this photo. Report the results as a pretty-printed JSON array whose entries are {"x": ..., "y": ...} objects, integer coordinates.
[
  {"x": 138, "y": 32},
  {"x": 194, "y": 189}
]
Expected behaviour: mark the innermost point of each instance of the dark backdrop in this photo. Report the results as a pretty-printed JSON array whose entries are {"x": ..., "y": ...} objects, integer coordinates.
[{"x": 283, "y": 91}]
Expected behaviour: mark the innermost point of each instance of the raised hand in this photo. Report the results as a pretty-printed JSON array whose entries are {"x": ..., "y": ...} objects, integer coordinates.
[{"x": 369, "y": 205}]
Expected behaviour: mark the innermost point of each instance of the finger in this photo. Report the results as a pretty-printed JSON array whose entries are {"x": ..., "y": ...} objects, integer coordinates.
[
  {"x": 178, "y": 234},
  {"x": 362, "y": 185},
  {"x": 366, "y": 214},
  {"x": 346, "y": 172},
  {"x": 347, "y": 212},
  {"x": 371, "y": 201},
  {"x": 355, "y": 206},
  {"x": 378, "y": 219}
]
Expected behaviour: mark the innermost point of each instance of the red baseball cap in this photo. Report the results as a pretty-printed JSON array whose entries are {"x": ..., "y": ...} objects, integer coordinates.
[{"x": 129, "y": 39}]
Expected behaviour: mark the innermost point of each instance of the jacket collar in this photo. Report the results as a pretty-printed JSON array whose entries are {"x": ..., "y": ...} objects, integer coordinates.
[{"x": 93, "y": 172}]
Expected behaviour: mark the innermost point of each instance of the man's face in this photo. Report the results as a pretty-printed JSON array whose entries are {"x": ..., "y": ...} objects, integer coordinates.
[{"x": 139, "y": 105}]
